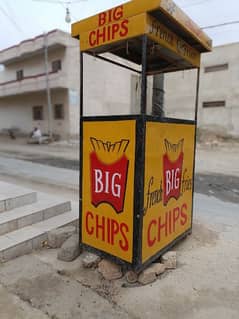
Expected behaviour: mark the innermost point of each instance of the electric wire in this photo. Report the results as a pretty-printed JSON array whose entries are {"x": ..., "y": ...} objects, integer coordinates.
[
  {"x": 5, "y": 13},
  {"x": 195, "y": 4},
  {"x": 19, "y": 29},
  {"x": 220, "y": 25}
]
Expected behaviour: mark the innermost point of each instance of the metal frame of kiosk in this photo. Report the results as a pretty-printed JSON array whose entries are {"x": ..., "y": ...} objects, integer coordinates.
[{"x": 137, "y": 171}]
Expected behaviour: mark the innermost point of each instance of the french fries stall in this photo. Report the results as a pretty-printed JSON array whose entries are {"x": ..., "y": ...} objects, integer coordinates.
[{"x": 137, "y": 171}]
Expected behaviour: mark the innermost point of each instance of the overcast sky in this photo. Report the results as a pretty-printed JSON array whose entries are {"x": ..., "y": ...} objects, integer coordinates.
[{"x": 23, "y": 19}]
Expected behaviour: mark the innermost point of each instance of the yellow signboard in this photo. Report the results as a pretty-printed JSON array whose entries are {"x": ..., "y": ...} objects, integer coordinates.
[
  {"x": 117, "y": 31},
  {"x": 176, "y": 14},
  {"x": 136, "y": 26},
  {"x": 169, "y": 158},
  {"x": 162, "y": 35},
  {"x": 137, "y": 7},
  {"x": 108, "y": 186}
]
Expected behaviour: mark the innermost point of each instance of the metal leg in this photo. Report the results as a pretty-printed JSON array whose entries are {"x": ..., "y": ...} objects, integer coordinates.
[
  {"x": 144, "y": 76},
  {"x": 81, "y": 83},
  {"x": 81, "y": 143},
  {"x": 195, "y": 136},
  {"x": 197, "y": 95}
]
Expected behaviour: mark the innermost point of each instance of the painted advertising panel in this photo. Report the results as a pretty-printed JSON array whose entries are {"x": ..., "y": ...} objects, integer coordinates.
[
  {"x": 168, "y": 189},
  {"x": 170, "y": 8},
  {"x": 108, "y": 186},
  {"x": 137, "y": 26},
  {"x": 137, "y": 7},
  {"x": 168, "y": 39},
  {"x": 110, "y": 33}
]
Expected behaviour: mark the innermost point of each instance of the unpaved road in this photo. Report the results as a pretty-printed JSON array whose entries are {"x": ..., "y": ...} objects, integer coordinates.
[{"x": 204, "y": 285}]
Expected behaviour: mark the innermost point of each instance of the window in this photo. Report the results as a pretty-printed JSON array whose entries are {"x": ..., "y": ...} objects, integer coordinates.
[
  {"x": 19, "y": 75},
  {"x": 37, "y": 113},
  {"x": 214, "y": 104},
  {"x": 56, "y": 65},
  {"x": 215, "y": 68},
  {"x": 58, "y": 112}
]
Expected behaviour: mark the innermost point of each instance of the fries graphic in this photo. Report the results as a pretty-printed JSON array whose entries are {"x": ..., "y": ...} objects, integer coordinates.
[
  {"x": 107, "y": 151},
  {"x": 173, "y": 150},
  {"x": 109, "y": 171},
  {"x": 172, "y": 170}
]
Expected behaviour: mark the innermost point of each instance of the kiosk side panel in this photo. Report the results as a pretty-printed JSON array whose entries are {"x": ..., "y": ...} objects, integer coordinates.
[
  {"x": 108, "y": 174},
  {"x": 168, "y": 187}
]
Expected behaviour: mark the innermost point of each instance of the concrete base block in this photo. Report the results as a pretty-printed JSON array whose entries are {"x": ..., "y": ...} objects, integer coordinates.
[
  {"x": 58, "y": 236},
  {"x": 70, "y": 249},
  {"x": 109, "y": 270},
  {"x": 169, "y": 259},
  {"x": 147, "y": 277},
  {"x": 91, "y": 260}
]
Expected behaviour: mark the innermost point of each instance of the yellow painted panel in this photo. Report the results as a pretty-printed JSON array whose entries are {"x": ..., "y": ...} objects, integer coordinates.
[
  {"x": 122, "y": 30},
  {"x": 112, "y": 15},
  {"x": 108, "y": 186},
  {"x": 169, "y": 157},
  {"x": 136, "y": 7},
  {"x": 174, "y": 12},
  {"x": 162, "y": 35}
]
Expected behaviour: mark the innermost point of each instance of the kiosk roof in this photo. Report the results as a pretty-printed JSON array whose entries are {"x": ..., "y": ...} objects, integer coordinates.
[
  {"x": 175, "y": 42},
  {"x": 165, "y": 11}
]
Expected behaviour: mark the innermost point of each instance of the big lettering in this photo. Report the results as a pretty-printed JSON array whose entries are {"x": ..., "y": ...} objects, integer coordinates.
[{"x": 108, "y": 182}]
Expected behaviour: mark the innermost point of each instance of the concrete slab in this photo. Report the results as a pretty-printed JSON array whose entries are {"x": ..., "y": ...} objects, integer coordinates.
[
  {"x": 8, "y": 190},
  {"x": 57, "y": 221},
  {"x": 23, "y": 229},
  {"x": 12, "y": 196},
  {"x": 24, "y": 240},
  {"x": 47, "y": 207},
  {"x": 6, "y": 242},
  {"x": 18, "y": 250},
  {"x": 24, "y": 235}
]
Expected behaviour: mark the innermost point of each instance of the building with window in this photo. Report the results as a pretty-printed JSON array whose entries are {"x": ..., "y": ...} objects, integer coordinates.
[
  {"x": 108, "y": 89},
  {"x": 24, "y": 98},
  {"x": 218, "y": 94},
  {"x": 49, "y": 61}
]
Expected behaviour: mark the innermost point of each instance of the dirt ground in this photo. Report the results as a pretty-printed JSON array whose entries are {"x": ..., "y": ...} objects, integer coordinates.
[{"x": 204, "y": 285}]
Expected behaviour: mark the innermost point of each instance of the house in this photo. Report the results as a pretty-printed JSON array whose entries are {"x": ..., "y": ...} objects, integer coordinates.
[
  {"x": 24, "y": 97},
  {"x": 218, "y": 93},
  {"x": 23, "y": 83},
  {"x": 108, "y": 89}
]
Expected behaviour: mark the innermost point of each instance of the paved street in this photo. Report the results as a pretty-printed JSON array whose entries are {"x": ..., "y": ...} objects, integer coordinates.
[
  {"x": 58, "y": 166},
  {"x": 44, "y": 174}
]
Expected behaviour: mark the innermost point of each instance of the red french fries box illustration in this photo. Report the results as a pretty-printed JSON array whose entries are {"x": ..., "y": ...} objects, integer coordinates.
[
  {"x": 172, "y": 170},
  {"x": 108, "y": 181}
]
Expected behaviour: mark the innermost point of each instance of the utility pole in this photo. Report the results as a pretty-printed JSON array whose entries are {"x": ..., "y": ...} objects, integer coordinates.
[
  {"x": 158, "y": 95},
  {"x": 49, "y": 104}
]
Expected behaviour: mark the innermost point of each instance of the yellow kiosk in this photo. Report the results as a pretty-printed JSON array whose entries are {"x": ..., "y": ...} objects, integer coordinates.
[{"x": 137, "y": 171}]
